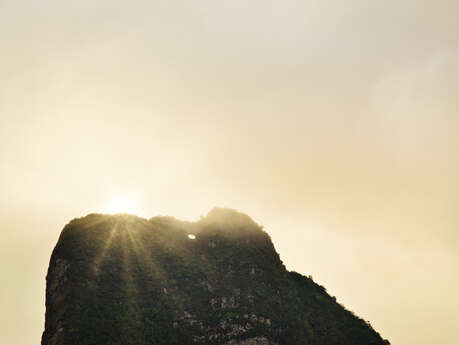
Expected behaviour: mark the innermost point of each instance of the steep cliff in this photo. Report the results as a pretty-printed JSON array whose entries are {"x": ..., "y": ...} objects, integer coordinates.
[{"x": 122, "y": 280}]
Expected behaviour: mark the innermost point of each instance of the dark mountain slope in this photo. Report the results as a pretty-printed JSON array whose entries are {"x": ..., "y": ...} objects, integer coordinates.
[{"x": 122, "y": 280}]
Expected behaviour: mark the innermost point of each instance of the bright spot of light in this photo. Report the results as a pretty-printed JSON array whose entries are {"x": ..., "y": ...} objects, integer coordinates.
[
  {"x": 191, "y": 236},
  {"x": 120, "y": 205}
]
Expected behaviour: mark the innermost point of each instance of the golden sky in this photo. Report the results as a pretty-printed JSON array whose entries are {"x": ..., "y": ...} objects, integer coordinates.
[{"x": 333, "y": 124}]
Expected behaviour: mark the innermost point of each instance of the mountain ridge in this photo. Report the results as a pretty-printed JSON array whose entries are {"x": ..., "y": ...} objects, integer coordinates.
[{"x": 124, "y": 279}]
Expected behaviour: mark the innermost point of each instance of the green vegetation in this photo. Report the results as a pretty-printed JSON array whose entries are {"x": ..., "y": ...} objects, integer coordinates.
[{"x": 127, "y": 280}]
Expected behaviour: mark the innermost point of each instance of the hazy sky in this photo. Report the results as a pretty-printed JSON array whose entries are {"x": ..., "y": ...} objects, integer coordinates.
[{"x": 334, "y": 124}]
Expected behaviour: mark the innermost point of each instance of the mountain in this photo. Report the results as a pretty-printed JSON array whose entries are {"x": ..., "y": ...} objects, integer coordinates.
[{"x": 125, "y": 280}]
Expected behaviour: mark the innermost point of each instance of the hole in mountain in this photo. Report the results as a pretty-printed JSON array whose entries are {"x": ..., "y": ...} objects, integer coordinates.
[{"x": 191, "y": 236}]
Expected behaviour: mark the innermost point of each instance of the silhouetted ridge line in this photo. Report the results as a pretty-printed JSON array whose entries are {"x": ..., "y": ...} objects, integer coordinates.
[{"x": 123, "y": 279}]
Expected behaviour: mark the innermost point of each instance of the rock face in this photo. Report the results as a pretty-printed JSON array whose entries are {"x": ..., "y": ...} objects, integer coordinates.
[{"x": 119, "y": 280}]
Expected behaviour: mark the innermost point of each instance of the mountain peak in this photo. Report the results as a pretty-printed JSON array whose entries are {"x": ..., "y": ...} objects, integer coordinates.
[
  {"x": 230, "y": 219},
  {"x": 122, "y": 279}
]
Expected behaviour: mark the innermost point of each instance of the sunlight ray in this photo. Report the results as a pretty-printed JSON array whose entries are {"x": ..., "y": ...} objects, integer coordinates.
[{"x": 99, "y": 260}]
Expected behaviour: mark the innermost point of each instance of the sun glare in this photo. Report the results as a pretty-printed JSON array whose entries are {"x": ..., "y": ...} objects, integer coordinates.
[{"x": 120, "y": 205}]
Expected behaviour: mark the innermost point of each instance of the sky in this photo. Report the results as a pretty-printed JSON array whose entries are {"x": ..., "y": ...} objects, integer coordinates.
[{"x": 333, "y": 124}]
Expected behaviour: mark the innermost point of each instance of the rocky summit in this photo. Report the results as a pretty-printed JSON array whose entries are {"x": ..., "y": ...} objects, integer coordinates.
[{"x": 125, "y": 280}]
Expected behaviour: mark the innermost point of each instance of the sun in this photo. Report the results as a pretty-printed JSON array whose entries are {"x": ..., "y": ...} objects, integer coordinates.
[{"x": 120, "y": 205}]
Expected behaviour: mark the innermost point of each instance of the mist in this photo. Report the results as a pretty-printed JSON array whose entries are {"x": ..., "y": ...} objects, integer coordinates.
[{"x": 334, "y": 126}]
